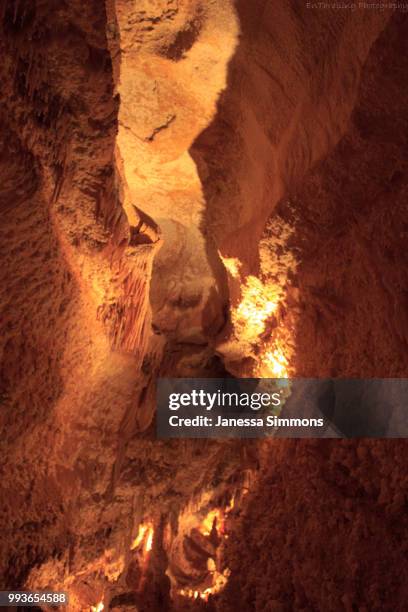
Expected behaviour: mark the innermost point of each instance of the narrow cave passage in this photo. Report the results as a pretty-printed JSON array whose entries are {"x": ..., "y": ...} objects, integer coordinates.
[{"x": 214, "y": 190}]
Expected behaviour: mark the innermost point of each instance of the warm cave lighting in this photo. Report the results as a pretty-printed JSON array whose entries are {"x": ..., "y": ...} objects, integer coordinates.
[
  {"x": 144, "y": 537},
  {"x": 258, "y": 307},
  {"x": 273, "y": 364},
  {"x": 98, "y": 608},
  {"x": 259, "y": 302},
  {"x": 149, "y": 540},
  {"x": 142, "y": 546},
  {"x": 220, "y": 580},
  {"x": 215, "y": 519},
  {"x": 232, "y": 264}
]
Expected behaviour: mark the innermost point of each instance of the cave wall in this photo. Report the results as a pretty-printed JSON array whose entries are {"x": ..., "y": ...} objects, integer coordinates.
[
  {"x": 325, "y": 523},
  {"x": 172, "y": 57},
  {"x": 326, "y": 518},
  {"x": 291, "y": 87},
  {"x": 113, "y": 214},
  {"x": 352, "y": 231},
  {"x": 292, "y": 84},
  {"x": 75, "y": 300},
  {"x": 59, "y": 376}
]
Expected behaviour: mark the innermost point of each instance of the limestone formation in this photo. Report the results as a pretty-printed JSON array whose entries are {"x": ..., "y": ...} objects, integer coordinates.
[{"x": 198, "y": 188}]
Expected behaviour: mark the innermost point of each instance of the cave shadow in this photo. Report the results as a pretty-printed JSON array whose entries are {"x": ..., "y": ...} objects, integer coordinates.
[
  {"x": 35, "y": 322},
  {"x": 41, "y": 295},
  {"x": 30, "y": 260},
  {"x": 351, "y": 231},
  {"x": 212, "y": 151},
  {"x": 348, "y": 208}
]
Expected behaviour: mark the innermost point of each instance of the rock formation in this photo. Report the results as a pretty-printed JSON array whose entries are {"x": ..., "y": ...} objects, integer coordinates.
[{"x": 198, "y": 188}]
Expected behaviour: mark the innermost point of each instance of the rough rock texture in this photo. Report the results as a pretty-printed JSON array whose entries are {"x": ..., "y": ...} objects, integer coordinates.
[
  {"x": 292, "y": 83},
  {"x": 352, "y": 231},
  {"x": 326, "y": 519},
  {"x": 140, "y": 145},
  {"x": 326, "y": 525},
  {"x": 58, "y": 118},
  {"x": 170, "y": 62}
]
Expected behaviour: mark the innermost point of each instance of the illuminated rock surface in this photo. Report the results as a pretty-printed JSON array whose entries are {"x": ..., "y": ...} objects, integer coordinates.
[{"x": 188, "y": 188}]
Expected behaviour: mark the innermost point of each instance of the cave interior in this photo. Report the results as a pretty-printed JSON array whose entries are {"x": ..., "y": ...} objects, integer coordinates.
[{"x": 199, "y": 189}]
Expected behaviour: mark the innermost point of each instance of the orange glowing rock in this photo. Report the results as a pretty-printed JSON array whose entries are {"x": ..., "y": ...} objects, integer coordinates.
[
  {"x": 206, "y": 526},
  {"x": 259, "y": 302},
  {"x": 220, "y": 580},
  {"x": 149, "y": 540},
  {"x": 258, "y": 331},
  {"x": 232, "y": 264},
  {"x": 215, "y": 519},
  {"x": 144, "y": 537},
  {"x": 273, "y": 364},
  {"x": 139, "y": 538}
]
